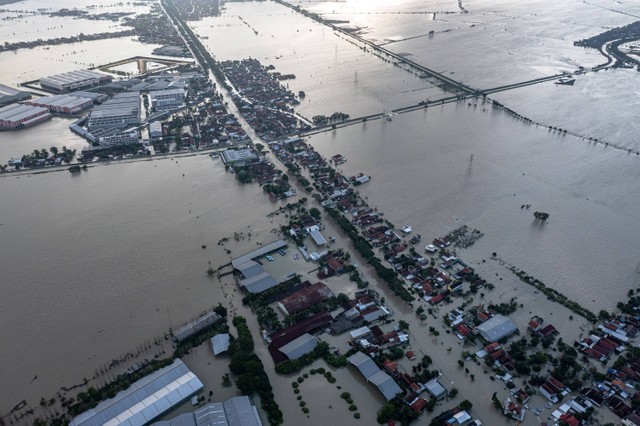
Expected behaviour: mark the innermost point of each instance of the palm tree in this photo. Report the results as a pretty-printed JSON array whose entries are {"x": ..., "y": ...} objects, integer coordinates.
[{"x": 54, "y": 151}]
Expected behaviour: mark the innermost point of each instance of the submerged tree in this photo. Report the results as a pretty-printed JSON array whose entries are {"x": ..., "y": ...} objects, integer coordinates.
[{"x": 542, "y": 216}]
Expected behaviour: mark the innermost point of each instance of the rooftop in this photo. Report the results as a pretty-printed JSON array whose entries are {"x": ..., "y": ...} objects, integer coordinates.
[
  {"x": 496, "y": 328},
  {"x": 145, "y": 399},
  {"x": 299, "y": 346},
  {"x": 305, "y": 298},
  {"x": 276, "y": 245}
]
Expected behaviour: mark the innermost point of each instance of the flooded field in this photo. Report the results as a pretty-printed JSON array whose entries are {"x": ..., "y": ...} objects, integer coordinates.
[
  {"x": 471, "y": 165},
  {"x": 335, "y": 74},
  {"x": 29, "y": 20}
]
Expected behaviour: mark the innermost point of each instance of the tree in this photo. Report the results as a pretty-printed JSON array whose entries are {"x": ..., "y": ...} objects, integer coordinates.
[
  {"x": 54, "y": 151},
  {"x": 386, "y": 413},
  {"x": 403, "y": 325},
  {"x": 314, "y": 212},
  {"x": 465, "y": 405}
]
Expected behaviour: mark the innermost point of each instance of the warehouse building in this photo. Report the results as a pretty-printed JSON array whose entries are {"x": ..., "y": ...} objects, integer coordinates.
[
  {"x": 238, "y": 156},
  {"x": 305, "y": 298},
  {"x": 18, "y": 116},
  {"x": 62, "y": 104},
  {"x": 120, "y": 112},
  {"x": 496, "y": 328},
  {"x": 167, "y": 99},
  {"x": 9, "y": 95},
  {"x": 74, "y": 80},
  {"x": 145, "y": 400},
  {"x": 299, "y": 346},
  {"x": 237, "y": 411},
  {"x": 368, "y": 368}
]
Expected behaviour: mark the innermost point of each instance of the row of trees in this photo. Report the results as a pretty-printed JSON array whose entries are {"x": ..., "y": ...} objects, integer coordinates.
[{"x": 249, "y": 370}]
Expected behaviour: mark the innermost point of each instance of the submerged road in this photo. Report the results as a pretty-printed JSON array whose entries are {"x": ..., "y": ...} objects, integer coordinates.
[{"x": 448, "y": 83}]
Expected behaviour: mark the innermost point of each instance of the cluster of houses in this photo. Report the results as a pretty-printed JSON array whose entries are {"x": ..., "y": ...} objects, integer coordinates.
[
  {"x": 262, "y": 99},
  {"x": 389, "y": 378},
  {"x": 619, "y": 390},
  {"x": 365, "y": 308}
]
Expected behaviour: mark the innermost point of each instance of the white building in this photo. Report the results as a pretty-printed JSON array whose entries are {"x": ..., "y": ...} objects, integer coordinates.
[
  {"x": 74, "y": 80},
  {"x": 155, "y": 130}
]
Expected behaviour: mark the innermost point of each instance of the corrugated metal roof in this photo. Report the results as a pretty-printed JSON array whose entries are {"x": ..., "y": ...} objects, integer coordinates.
[
  {"x": 249, "y": 269},
  {"x": 299, "y": 346},
  {"x": 259, "y": 252},
  {"x": 364, "y": 363},
  {"x": 496, "y": 328},
  {"x": 237, "y": 411},
  {"x": 145, "y": 399},
  {"x": 220, "y": 343},
  {"x": 385, "y": 384},
  {"x": 259, "y": 283},
  {"x": 240, "y": 412}
]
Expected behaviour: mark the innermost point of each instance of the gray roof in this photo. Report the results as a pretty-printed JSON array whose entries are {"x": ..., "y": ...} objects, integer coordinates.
[
  {"x": 193, "y": 327},
  {"x": 145, "y": 399},
  {"x": 220, "y": 343},
  {"x": 276, "y": 245},
  {"x": 210, "y": 414},
  {"x": 318, "y": 238},
  {"x": 435, "y": 388},
  {"x": 496, "y": 328},
  {"x": 373, "y": 374},
  {"x": 235, "y": 155},
  {"x": 18, "y": 112},
  {"x": 241, "y": 412},
  {"x": 299, "y": 346},
  {"x": 364, "y": 363},
  {"x": 385, "y": 384},
  {"x": 238, "y": 411},
  {"x": 259, "y": 283},
  {"x": 185, "y": 419},
  {"x": 249, "y": 269}
]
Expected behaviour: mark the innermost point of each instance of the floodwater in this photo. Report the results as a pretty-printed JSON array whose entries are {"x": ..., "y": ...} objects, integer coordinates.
[
  {"x": 458, "y": 165},
  {"x": 19, "y": 23},
  {"x": 93, "y": 265},
  {"x": 335, "y": 74},
  {"x": 90, "y": 270}
]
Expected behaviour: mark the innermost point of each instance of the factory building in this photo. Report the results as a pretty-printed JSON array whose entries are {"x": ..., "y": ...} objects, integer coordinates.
[
  {"x": 62, "y": 104},
  {"x": 18, "y": 116},
  {"x": 167, "y": 99},
  {"x": 145, "y": 400},
  {"x": 74, "y": 80},
  {"x": 121, "y": 111},
  {"x": 9, "y": 95}
]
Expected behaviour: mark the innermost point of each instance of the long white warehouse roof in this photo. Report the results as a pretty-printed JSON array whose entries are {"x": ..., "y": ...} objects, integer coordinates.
[{"x": 144, "y": 400}]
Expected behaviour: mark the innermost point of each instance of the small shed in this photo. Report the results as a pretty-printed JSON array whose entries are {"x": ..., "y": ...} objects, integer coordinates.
[{"x": 220, "y": 343}]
